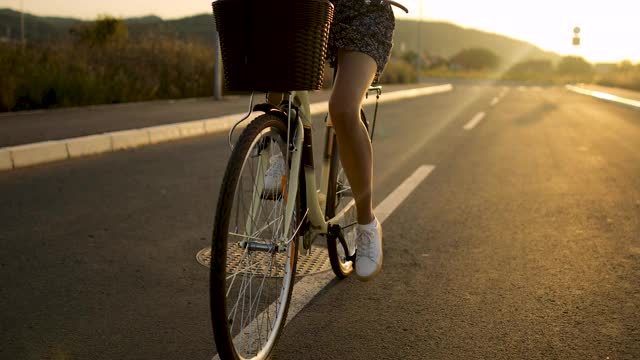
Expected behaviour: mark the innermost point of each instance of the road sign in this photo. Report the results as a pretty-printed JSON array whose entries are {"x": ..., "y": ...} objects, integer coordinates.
[{"x": 576, "y": 36}]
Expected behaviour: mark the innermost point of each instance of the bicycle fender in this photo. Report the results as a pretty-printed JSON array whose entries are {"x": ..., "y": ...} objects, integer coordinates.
[{"x": 270, "y": 109}]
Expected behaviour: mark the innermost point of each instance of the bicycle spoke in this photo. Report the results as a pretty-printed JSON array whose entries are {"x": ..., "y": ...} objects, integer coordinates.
[{"x": 260, "y": 256}]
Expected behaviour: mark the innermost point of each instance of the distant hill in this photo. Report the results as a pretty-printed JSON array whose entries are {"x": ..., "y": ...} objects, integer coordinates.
[
  {"x": 437, "y": 38},
  {"x": 43, "y": 29},
  {"x": 37, "y": 28},
  {"x": 446, "y": 39}
]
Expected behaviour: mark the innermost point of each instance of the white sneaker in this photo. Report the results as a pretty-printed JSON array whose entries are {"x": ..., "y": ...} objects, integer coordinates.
[
  {"x": 369, "y": 254},
  {"x": 273, "y": 177}
]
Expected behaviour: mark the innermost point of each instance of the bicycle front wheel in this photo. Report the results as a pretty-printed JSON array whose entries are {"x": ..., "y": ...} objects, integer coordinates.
[{"x": 253, "y": 257}]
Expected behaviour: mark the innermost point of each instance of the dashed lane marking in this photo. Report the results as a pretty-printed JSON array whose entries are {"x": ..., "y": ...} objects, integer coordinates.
[{"x": 476, "y": 119}]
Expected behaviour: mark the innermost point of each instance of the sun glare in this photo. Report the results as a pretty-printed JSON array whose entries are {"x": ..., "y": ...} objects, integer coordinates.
[{"x": 609, "y": 32}]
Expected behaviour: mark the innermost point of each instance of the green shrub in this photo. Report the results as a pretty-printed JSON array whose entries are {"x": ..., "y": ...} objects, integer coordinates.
[
  {"x": 475, "y": 59},
  {"x": 531, "y": 70},
  {"x": 575, "y": 69},
  {"x": 624, "y": 75},
  {"x": 105, "y": 30},
  {"x": 398, "y": 73},
  {"x": 81, "y": 73}
]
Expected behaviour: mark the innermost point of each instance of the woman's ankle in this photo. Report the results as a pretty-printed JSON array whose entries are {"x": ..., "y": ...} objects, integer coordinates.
[{"x": 366, "y": 219}]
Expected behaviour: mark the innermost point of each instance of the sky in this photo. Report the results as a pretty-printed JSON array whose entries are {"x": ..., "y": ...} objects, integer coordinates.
[{"x": 610, "y": 31}]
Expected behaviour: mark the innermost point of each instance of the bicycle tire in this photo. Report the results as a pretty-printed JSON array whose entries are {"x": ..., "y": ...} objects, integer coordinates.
[
  {"x": 246, "y": 327},
  {"x": 338, "y": 196}
]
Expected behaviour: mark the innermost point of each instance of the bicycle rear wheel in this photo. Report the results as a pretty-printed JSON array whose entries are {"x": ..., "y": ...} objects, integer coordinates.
[
  {"x": 341, "y": 244},
  {"x": 253, "y": 260}
]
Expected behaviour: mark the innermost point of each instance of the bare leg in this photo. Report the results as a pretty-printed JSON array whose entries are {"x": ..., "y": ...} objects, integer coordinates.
[{"x": 355, "y": 73}]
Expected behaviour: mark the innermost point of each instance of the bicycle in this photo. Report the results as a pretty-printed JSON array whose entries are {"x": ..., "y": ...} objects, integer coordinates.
[{"x": 259, "y": 228}]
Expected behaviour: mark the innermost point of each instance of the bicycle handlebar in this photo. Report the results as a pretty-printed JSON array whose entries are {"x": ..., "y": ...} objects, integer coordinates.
[
  {"x": 398, "y": 5},
  {"x": 390, "y": 2}
]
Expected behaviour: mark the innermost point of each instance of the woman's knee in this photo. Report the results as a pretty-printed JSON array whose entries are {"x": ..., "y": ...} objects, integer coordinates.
[{"x": 342, "y": 111}]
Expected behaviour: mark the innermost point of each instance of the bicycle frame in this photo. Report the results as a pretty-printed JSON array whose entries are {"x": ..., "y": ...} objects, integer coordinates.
[{"x": 302, "y": 155}]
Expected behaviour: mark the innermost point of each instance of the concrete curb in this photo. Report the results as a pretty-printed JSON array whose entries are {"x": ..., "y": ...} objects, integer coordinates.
[
  {"x": 604, "y": 96},
  {"x": 89, "y": 145},
  {"x": 14, "y": 157},
  {"x": 38, "y": 153},
  {"x": 5, "y": 160}
]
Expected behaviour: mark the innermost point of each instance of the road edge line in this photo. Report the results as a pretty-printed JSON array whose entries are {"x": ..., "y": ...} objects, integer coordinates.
[
  {"x": 134, "y": 138},
  {"x": 604, "y": 96}
]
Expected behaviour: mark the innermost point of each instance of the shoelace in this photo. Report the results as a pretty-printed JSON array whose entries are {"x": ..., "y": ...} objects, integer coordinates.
[{"x": 364, "y": 241}]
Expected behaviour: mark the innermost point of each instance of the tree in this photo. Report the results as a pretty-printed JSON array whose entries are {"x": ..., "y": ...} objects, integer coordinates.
[
  {"x": 625, "y": 65},
  {"x": 476, "y": 59},
  {"x": 538, "y": 70},
  {"x": 574, "y": 66},
  {"x": 410, "y": 57},
  {"x": 105, "y": 30},
  {"x": 533, "y": 66}
]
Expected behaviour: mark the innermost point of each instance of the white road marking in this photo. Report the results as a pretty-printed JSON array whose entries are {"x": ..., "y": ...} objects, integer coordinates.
[
  {"x": 476, "y": 119},
  {"x": 495, "y": 101},
  {"x": 408, "y": 93},
  {"x": 604, "y": 96},
  {"x": 307, "y": 288},
  {"x": 322, "y": 106},
  {"x": 391, "y": 202}
]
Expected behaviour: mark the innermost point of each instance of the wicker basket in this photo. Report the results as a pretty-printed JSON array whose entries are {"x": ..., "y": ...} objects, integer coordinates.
[{"x": 273, "y": 45}]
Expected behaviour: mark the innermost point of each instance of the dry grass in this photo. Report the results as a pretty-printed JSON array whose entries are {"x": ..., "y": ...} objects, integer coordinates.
[
  {"x": 625, "y": 75},
  {"x": 71, "y": 74}
]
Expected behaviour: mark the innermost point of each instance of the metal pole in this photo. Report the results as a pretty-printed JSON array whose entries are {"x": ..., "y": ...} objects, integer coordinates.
[
  {"x": 22, "y": 23},
  {"x": 217, "y": 69},
  {"x": 419, "y": 57}
]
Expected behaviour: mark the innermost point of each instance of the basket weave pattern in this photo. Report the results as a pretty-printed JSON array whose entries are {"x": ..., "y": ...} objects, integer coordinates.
[{"x": 273, "y": 45}]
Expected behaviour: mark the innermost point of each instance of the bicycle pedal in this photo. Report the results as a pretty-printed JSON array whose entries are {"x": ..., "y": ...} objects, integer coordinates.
[
  {"x": 304, "y": 252},
  {"x": 308, "y": 239}
]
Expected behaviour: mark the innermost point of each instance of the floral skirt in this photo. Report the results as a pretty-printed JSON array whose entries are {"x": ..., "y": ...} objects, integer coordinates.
[{"x": 364, "y": 28}]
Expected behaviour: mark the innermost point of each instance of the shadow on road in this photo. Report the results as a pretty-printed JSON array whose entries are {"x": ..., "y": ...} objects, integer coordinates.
[{"x": 536, "y": 115}]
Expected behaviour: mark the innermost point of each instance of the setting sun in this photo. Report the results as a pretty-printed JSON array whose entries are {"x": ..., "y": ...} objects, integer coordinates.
[{"x": 609, "y": 31}]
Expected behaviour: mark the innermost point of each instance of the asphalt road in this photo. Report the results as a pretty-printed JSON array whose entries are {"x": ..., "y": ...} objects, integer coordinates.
[
  {"x": 524, "y": 242},
  {"x": 24, "y": 127}
]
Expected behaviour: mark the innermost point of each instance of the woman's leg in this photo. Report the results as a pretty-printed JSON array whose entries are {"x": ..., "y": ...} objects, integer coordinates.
[{"x": 356, "y": 71}]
